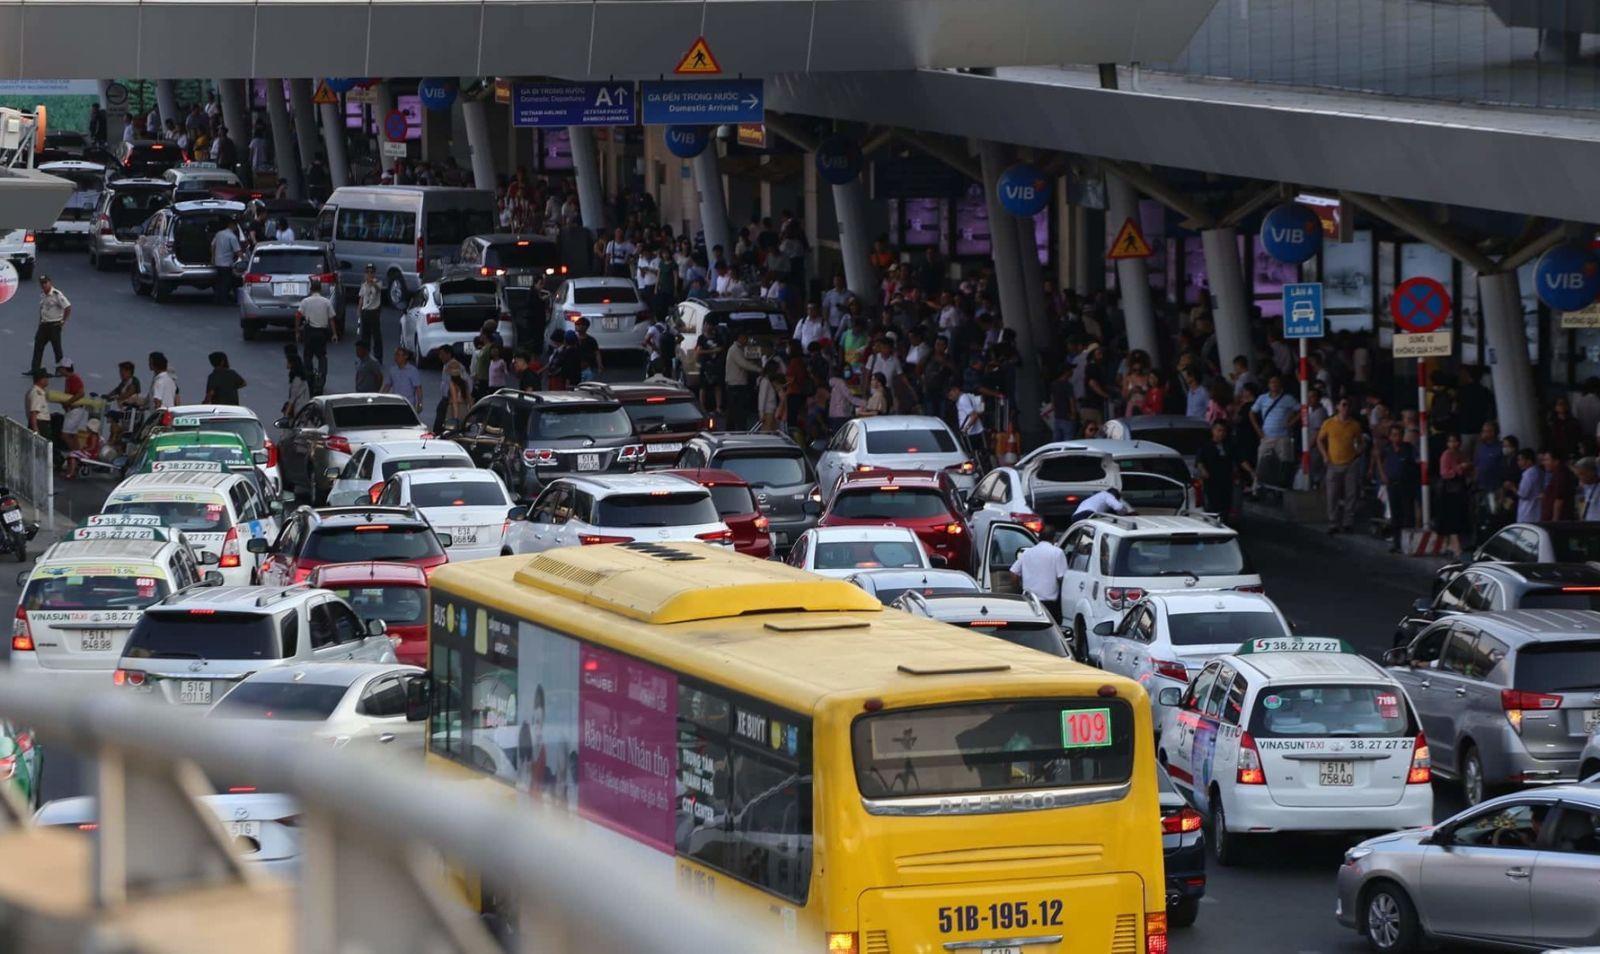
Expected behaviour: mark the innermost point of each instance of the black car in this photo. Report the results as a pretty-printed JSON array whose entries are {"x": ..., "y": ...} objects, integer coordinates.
[
  {"x": 1561, "y": 541},
  {"x": 1496, "y": 587},
  {"x": 531, "y": 266},
  {"x": 775, "y": 467},
  {"x": 1183, "y": 843},
  {"x": 530, "y": 437}
]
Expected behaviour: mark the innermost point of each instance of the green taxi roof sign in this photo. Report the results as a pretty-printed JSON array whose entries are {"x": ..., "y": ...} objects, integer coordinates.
[{"x": 1295, "y": 644}]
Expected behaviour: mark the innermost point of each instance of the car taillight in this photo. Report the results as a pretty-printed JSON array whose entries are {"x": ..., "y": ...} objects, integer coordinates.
[
  {"x": 965, "y": 467},
  {"x": 337, "y": 444},
  {"x": 573, "y": 315},
  {"x": 302, "y": 573},
  {"x": 128, "y": 677},
  {"x": 1155, "y": 933},
  {"x": 1421, "y": 763},
  {"x": 715, "y": 536},
  {"x": 1183, "y": 820},
  {"x": 28, "y": 239},
  {"x": 21, "y": 633},
  {"x": 954, "y": 529},
  {"x": 328, "y": 279},
  {"x": 256, "y": 278},
  {"x": 538, "y": 456},
  {"x": 1171, "y": 668},
  {"x": 433, "y": 317},
  {"x": 230, "y": 550},
  {"x": 632, "y": 452},
  {"x": 595, "y": 539},
  {"x": 1118, "y": 597},
  {"x": 105, "y": 226},
  {"x": 1250, "y": 771},
  {"x": 1250, "y": 588},
  {"x": 762, "y": 524},
  {"x": 272, "y": 453},
  {"x": 1515, "y": 702},
  {"x": 1032, "y": 521}
]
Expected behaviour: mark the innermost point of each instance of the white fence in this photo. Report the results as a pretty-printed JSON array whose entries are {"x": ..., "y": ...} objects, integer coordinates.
[{"x": 27, "y": 466}]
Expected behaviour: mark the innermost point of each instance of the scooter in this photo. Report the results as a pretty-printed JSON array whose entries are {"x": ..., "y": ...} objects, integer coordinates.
[{"x": 14, "y": 531}]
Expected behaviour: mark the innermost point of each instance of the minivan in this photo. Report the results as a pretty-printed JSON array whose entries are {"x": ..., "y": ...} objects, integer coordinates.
[{"x": 402, "y": 231}]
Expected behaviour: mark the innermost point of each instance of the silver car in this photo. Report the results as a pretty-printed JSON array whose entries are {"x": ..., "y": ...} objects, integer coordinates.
[
  {"x": 1505, "y": 699},
  {"x": 174, "y": 247},
  {"x": 325, "y": 433},
  {"x": 1518, "y": 872},
  {"x": 276, "y": 276},
  {"x": 123, "y": 208}
]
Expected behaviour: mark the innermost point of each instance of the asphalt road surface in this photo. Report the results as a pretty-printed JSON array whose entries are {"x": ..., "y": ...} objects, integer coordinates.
[{"x": 1283, "y": 902}]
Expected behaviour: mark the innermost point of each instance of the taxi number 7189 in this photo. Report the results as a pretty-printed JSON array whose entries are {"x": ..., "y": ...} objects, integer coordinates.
[{"x": 1002, "y": 915}]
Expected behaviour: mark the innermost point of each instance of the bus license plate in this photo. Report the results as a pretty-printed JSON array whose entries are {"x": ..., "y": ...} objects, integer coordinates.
[
  {"x": 244, "y": 829},
  {"x": 588, "y": 461},
  {"x": 1336, "y": 773},
  {"x": 194, "y": 692},
  {"x": 96, "y": 641}
]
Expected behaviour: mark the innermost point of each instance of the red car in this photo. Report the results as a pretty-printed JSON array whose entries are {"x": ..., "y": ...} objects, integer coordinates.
[
  {"x": 396, "y": 593},
  {"x": 311, "y": 538},
  {"x": 737, "y": 507},
  {"x": 919, "y": 501}
]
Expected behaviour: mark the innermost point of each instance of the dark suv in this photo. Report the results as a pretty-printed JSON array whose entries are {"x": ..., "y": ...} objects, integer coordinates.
[
  {"x": 530, "y": 264},
  {"x": 664, "y": 414},
  {"x": 311, "y": 538},
  {"x": 530, "y": 437},
  {"x": 774, "y": 466}
]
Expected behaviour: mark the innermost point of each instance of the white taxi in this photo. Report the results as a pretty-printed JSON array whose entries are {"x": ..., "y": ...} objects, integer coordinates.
[
  {"x": 219, "y": 511},
  {"x": 84, "y": 595},
  {"x": 1296, "y": 733}
]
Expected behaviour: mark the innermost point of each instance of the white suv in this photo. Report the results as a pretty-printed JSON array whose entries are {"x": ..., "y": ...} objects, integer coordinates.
[
  {"x": 617, "y": 508},
  {"x": 1113, "y": 561}
]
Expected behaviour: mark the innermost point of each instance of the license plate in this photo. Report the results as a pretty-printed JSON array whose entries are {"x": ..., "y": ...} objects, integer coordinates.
[
  {"x": 464, "y": 535},
  {"x": 611, "y": 324},
  {"x": 244, "y": 829},
  {"x": 13, "y": 518},
  {"x": 1591, "y": 721},
  {"x": 95, "y": 641},
  {"x": 1336, "y": 773},
  {"x": 291, "y": 288},
  {"x": 665, "y": 448},
  {"x": 194, "y": 692},
  {"x": 588, "y": 461},
  {"x": 526, "y": 281}
]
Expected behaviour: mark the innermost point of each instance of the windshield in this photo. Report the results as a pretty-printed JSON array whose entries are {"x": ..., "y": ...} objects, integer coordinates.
[
  {"x": 203, "y": 634},
  {"x": 1558, "y": 667},
  {"x": 653, "y": 510},
  {"x": 868, "y": 555},
  {"x": 392, "y": 604},
  {"x": 665, "y": 417},
  {"x": 1286, "y": 712},
  {"x": 1205, "y": 629},
  {"x": 1180, "y": 555},
  {"x": 766, "y": 470},
  {"x": 1071, "y": 469},
  {"x": 1578, "y": 598},
  {"x": 285, "y": 262},
  {"x": 465, "y": 493},
  {"x": 1576, "y": 544},
  {"x": 1185, "y": 440},
  {"x": 92, "y": 589},
  {"x": 604, "y": 295},
  {"x": 381, "y": 544},
  {"x": 286, "y": 701},
  {"x": 395, "y": 466},
  {"x": 885, "y": 504},
  {"x": 248, "y": 428},
  {"x": 1150, "y": 492},
  {"x": 571, "y": 423},
  {"x": 350, "y": 417},
  {"x": 1044, "y": 637},
  {"x": 733, "y": 500},
  {"x": 194, "y": 516},
  {"x": 532, "y": 255},
  {"x": 994, "y": 747},
  {"x": 911, "y": 440}
]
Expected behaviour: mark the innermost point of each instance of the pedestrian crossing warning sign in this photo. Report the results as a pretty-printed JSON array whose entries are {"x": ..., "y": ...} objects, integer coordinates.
[
  {"x": 1129, "y": 243},
  {"x": 324, "y": 96},
  {"x": 698, "y": 59}
]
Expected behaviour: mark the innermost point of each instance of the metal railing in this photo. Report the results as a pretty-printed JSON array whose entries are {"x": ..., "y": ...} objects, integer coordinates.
[
  {"x": 27, "y": 466},
  {"x": 370, "y": 876}
]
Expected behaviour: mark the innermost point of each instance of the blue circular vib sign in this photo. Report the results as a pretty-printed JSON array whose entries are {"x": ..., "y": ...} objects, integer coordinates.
[
  {"x": 1291, "y": 233},
  {"x": 1024, "y": 190},
  {"x": 686, "y": 142},
  {"x": 838, "y": 160},
  {"x": 437, "y": 93},
  {"x": 342, "y": 84},
  {"x": 1568, "y": 277}
]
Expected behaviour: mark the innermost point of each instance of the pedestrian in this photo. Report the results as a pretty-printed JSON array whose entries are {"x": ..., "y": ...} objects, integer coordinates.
[
  {"x": 1530, "y": 485},
  {"x": 1217, "y": 465},
  {"x": 1396, "y": 464},
  {"x": 1555, "y": 501},
  {"x": 285, "y": 231},
  {"x": 1489, "y": 468},
  {"x": 123, "y": 401},
  {"x": 225, "y": 248},
  {"x": 313, "y": 328},
  {"x": 450, "y": 369},
  {"x": 299, "y": 383},
  {"x": 369, "y": 371},
  {"x": 877, "y": 396},
  {"x": 223, "y": 383},
  {"x": 1108, "y": 500},
  {"x": 1586, "y": 505},
  {"x": 969, "y": 408},
  {"x": 740, "y": 370},
  {"x": 457, "y": 402},
  {"x": 404, "y": 379},
  {"x": 1340, "y": 442},
  {"x": 1455, "y": 492},
  {"x": 769, "y": 395},
  {"x": 1039, "y": 569},
  {"x": 619, "y": 253},
  {"x": 369, "y": 310},
  {"x": 37, "y": 403},
  {"x": 1273, "y": 416},
  {"x": 54, "y": 313}
]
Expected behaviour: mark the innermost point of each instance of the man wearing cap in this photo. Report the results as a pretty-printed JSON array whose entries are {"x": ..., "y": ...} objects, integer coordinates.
[
  {"x": 369, "y": 305},
  {"x": 38, "y": 404},
  {"x": 54, "y": 311},
  {"x": 313, "y": 324}
]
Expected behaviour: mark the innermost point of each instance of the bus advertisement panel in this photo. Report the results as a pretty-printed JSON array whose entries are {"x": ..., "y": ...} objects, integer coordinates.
[{"x": 626, "y": 759}]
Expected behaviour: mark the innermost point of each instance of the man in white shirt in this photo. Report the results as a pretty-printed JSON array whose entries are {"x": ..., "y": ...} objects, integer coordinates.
[
  {"x": 836, "y": 303},
  {"x": 884, "y": 362},
  {"x": 1040, "y": 569},
  {"x": 619, "y": 255},
  {"x": 313, "y": 325},
  {"x": 810, "y": 328},
  {"x": 723, "y": 283},
  {"x": 285, "y": 231},
  {"x": 225, "y": 248},
  {"x": 1106, "y": 501},
  {"x": 164, "y": 384}
]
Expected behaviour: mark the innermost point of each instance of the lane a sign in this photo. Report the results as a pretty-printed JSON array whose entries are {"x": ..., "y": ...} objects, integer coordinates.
[
  {"x": 572, "y": 104},
  {"x": 702, "y": 102},
  {"x": 1302, "y": 311}
]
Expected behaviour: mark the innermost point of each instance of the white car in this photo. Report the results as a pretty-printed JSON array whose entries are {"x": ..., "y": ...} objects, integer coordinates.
[
  {"x": 890, "y": 585},
  {"x": 618, "y": 319},
  {"x": 894, "y": 442},
  {"x": 452, "y": 310},
  {"x": 200, "y": 177},
  {"x": 1166, "y": 638},
  {"x": 1296, "y": 734},
  {"x": 842, "y": 552},
  {"x": 1019, "y": 619},
  {"x": 235, "y": 420},
  {"x": 1049, "y": 483},
  {"x": 362, "y": 705},
  {"x": 1114, "y": 561},
  {"x": 470, "y": 505},
  {"x": 266, "y": 825},
  {"x": 618, "y": 508},
  {"x": 76, "y": 220},
  {"x": 19, "y": 247},
  {"x": 219, "y": 512},
  {"x": 365, "y": 472}
]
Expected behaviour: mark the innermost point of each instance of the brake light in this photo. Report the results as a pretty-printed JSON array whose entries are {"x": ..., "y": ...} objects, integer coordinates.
[
  {"x": 658, "y": 400},
  {"x": 202, "y": 612},
  {"x": 762, "y": 523},
  {"x": 596, "y": 539},
  {"x": 574, "y": 315},
  {"x": 1155, "y": 933},
  {"x": 1032, "y": 521},
  {"x": 1515, "y": 702},
  {"x": 21, "y": 633},
  {"x": 272, "y": 453},
  {"x": 715, "y": 536},
  {"x": 1421, "y": 763},
  {"x": 337, "y": 444},
  {"x": 105, "y": 226},
  {"x": 538, "y": 455},
  {"x": 841, "y": 942},
  {"x": 28, "y": 239},
  {"x": 1250, "y": 771},
  {"x": 1250, "y": 588},
  {"x": 166, "y": 419},
  {"x": 965, "y": 467},
  {"x": 256, "y": 278},
  {"x": 128, "y": 677},
  {"x": 374, "y": 492},
  {"x": 1184, "y": 820},
  {"x": 987, "y": 624},
  {"x": 1580, "y": 589},
  {"x": 302, "y": 573},
  {"x": 1171, "y": 669},
  {"x": 328, "y": 279},
  {"x": 487, "y": 271},
  {"x": 1118, "y": 597},
  {"x": 632, "y": 452},
  {"x": 433, "y": 317},
  {"x": 954, "y": 529},
  {"x": 230, "y": 550}
]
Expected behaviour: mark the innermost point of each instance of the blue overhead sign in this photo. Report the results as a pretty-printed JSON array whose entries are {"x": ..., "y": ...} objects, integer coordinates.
[
  {"x": 1302, "y": 310},
  {"x": 1567, "y": 277},
  {"x": 702, "y": 102},
  {"x": 1291, "y": 233},
  {"x": 572, "y": 104}
]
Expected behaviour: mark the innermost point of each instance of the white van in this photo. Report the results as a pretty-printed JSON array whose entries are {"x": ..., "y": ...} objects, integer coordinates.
[{"x": 403, "y": 231}]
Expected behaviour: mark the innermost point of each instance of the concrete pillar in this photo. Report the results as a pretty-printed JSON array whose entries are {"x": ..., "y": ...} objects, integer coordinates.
[
  {"x": 333, "y": 141},
  {"x": 481, "y": 150},
  {"x": 1044, "y": 334},
  {"x": 1133, "y": 277},
  {"x": 850, "y": 207},
  {"x": 305, "y": 122},
  {"x": 1231, "y": 309},
  {"x": 586, "y": 168},
  {"x": 713, "y": 205},
  {"x": 283, "y": 154},
  {"x": 1008, "y": 274},
  {"x": 235, "y": 116},
  {"x": 1515, "y": 397},
  {"x": 167, "y": 103}
]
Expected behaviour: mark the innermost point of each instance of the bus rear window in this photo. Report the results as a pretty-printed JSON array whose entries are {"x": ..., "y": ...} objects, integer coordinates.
[
  {"x": 1364, "y": 711},
  {"x": 994, "y": 747}
]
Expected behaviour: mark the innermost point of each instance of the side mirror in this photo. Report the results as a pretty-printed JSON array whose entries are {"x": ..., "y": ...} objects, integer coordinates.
[
  {"x": 377, "y": 627},
  {"x": 259, "y": 456},
  {"x": 819, "y": 445},
  {"x": 282, "y": 424},
  {"x": 446, "y": 540},
  {"x": 257, "y": 545},
  {"x": 811, "y": 508},
  {"x": 332, "y": 473},
  {"x": 22, "y": 577},
  {"x": 1104, "y": 627},
  {"x": 519, "y": 512},
  {"x": 275, "y": 507},
  {"x": 1169, "y": 696},
  {"x": 1422, "y": 605},
  {"x": 212, "y": 578},
  {"x": 938, "y": 562},
  {"x": 419, "y": 695},
  {"x": 207, "y": 559},
  {"x": 1397, "y": 656}
]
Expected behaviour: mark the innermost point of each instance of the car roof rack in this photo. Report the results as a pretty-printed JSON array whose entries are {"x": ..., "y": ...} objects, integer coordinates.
[
  {"x": 1120, "y": 519},
  {"x": 269, "y": 599}
]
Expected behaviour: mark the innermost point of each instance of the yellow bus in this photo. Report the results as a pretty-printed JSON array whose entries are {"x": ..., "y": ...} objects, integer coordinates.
[{"x": 879, "y": 783}]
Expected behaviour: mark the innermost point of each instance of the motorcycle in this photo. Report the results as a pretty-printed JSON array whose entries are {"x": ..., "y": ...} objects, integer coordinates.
[{"x": 14, "y": 531}]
